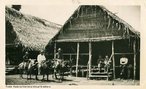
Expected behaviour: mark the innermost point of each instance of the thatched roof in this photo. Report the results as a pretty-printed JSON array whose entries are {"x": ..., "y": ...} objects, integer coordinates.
[
  {"x": 29, "y": 31},
  {"x": 94, "y": 23}
]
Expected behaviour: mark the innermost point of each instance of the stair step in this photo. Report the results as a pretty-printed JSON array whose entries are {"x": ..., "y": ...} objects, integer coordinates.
[
  {"x": 10, "y": 68},
  {"x": 101, "y": 73},
  {"x": 99, "y": 76}
]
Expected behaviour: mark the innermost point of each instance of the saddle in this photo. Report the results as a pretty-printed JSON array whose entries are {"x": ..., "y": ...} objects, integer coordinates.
[{"x": 57, "y": 62}]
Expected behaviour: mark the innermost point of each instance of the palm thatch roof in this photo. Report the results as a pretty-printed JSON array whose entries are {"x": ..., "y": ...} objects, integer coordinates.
[
  {"x": 28, "y": 31},
  {"x": 94, "y": 23}
]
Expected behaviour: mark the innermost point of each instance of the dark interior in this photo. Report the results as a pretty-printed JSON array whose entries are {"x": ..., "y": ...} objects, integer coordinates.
[{"x": 102, "y": 48}]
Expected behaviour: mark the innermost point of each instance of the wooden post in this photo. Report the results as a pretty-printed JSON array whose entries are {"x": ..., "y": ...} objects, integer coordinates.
[
  {"x": 77, "y": 59},
  {"x": 134, "y": 50},
  {"x": 70, "y": 57},
  {"x": 90, "y": 57},
  {"x": 113, "y": 58},
  {"x": 54, "y": 50}
]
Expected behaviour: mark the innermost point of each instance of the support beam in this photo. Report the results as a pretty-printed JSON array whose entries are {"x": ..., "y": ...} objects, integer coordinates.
[
  {"x": 70, "y": 58},
  {"x": 75, "y": 54},
  {"x": 113, "y": 58},
  {"x": 134, "y": 51},
  {"x": 90, "y": 57},
  {"x": 124, "y": 53},
  {"x": 54, "y": 50},
  {"x": 77, "y": 59}
]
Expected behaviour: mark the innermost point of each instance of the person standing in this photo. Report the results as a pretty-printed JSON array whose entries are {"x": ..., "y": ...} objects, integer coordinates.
[
  {"x": 40, "y": 59},
  {"x": 123, "y": 65}
]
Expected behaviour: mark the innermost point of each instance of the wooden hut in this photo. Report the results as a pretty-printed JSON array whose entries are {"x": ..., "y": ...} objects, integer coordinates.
[
  {"x": 26, "y": 33},
  {"x": 93, "y": 30}
]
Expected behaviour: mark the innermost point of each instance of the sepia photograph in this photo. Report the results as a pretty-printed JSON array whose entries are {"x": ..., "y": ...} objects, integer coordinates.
[{"x": 72, "y": 44}]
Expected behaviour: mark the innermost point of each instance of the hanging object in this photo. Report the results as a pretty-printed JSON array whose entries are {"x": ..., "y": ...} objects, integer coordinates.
[
  {"x": 127, "y": 31},
  {"x": 113, "y": 22},
  {"x": 105, "y": 15},
  {"x": 70, "y": 23},
  {"x": 119, "y": 26},
  {"x": 116, "y": 24},
  {"x": 109, "y": 22}
]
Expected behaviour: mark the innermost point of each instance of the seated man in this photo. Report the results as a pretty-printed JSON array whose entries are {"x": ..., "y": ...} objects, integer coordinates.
[
  {"x": 100, "y": 63},
  {"x": 107, "y": 63},
  {"x": 59, "y": 55},
  {"x": 26, "y": 57},
  {"x": 40, "y": 59}
]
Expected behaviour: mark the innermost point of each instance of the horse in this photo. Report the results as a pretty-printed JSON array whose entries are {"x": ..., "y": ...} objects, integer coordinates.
[
  {"x": 32, "y": 69},
  {"x": 60, "y": 67},
  {"x": 28, "y": 67},
  {"x": 21, "y": 69},
  {"x": 46, "y": 68}
]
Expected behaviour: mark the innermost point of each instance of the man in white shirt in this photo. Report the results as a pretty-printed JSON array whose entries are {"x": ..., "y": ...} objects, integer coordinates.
[
  {"x": 123, "y": 64},
  {"x": 40, "y": 59}
]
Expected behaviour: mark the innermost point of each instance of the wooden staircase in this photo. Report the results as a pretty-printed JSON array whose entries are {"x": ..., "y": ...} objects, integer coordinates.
[{"x": 100, "y": 74}]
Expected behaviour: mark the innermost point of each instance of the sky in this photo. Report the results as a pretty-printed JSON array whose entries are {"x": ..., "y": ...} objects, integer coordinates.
[{"x": 60, "y": 13}]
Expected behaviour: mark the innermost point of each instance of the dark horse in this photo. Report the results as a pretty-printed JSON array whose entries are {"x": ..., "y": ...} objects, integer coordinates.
[
  {"x": 60, "y": 67},
  {"x": 29, "y": 67},
  {"x": 46, "y": 68}
]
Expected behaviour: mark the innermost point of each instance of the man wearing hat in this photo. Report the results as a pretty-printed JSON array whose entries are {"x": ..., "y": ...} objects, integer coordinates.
[
  {"x": 40, "y": 59},
  {"x": 59, "y": 55},
  {"x": 26, "y": 57}
]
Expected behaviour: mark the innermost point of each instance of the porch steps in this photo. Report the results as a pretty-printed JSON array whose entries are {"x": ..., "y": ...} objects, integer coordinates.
[{"x": 106, "y": 75}]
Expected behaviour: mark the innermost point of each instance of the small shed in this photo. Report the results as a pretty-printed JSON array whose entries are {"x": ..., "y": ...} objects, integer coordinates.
[
  {"x": 26, "y": 33},
  {"x": 93, "y": 30}
]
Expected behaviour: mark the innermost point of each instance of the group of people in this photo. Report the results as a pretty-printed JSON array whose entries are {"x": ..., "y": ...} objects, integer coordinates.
[
  {"x": 104, "y": 63},
  {"x": 41, "y": 58}
]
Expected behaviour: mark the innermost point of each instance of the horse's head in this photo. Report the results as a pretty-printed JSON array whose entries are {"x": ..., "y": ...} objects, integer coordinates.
[
  {"x": 65, "y": 63},
  {"x": 46, "y": 64}
]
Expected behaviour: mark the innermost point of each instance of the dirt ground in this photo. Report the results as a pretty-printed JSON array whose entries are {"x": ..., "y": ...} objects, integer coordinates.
[{"x": 68, "y": 80}]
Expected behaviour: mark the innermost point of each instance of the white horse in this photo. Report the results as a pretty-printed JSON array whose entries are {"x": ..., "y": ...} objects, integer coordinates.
[{"x": 28, "y": 67}]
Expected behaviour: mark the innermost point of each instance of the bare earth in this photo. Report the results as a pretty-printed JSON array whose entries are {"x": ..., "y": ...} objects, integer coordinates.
[{"x": 16, "y": 80}]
